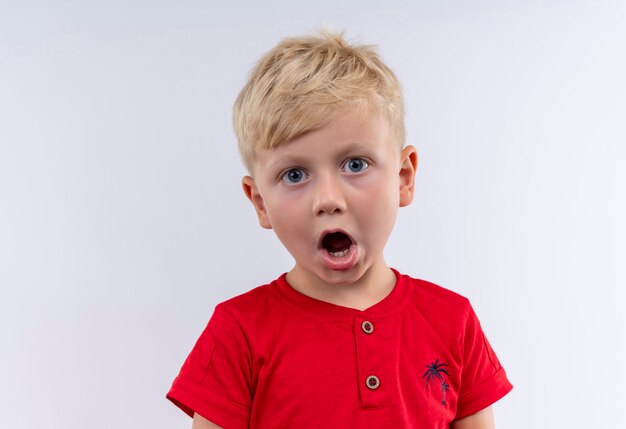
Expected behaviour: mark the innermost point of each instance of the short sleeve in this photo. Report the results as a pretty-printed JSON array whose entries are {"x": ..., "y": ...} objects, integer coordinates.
[
  {"x": 483, "y": 379},
  {"x": 215, "y": 379}
]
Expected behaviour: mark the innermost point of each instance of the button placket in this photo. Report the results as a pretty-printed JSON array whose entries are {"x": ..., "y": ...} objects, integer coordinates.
[
  {"x": 371, "y": 360},
  {"x": 367, "y": 327},
  {"x": 372, "y": 382}
]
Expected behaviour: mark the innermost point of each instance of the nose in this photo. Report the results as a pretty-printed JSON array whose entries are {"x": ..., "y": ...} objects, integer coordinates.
[{"x": 329, "y": 196}]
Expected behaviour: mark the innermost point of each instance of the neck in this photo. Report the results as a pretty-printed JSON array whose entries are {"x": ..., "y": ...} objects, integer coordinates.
[{"x": 369, "y": 289}]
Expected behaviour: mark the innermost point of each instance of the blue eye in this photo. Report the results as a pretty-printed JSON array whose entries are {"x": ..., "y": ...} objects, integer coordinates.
[
  {"x": 355, "y": 165},
  {"x": 295, "y": 175}
]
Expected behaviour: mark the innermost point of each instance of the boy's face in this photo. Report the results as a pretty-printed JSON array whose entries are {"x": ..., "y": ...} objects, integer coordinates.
[{"x": 332, "y": 196}]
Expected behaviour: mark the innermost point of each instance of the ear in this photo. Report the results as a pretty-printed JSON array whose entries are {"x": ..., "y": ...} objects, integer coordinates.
[
  {"x": 408, "y": 166},
  {"x": 252, "y": 192}
]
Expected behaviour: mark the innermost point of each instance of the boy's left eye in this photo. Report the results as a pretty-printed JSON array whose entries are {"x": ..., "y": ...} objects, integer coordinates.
[{"x": 355, "y": 165}]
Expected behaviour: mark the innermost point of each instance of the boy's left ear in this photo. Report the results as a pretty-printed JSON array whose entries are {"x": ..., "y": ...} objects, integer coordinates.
[{"x": 408, "y": 166}]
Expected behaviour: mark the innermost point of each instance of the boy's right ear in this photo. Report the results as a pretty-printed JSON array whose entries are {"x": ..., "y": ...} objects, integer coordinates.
[{"x": 252, "y": 192}]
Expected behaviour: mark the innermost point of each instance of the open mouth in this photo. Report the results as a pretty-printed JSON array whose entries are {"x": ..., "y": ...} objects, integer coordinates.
[
  {"x": 338, "y": 250},
  {"x": 337, "y": 243}
]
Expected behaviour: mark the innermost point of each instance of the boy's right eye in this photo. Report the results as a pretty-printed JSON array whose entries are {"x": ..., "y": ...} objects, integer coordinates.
[{"x": 294, "y": 175}]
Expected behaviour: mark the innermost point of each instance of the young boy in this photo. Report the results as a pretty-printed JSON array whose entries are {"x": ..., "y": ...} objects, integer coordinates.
[{"x": 342, "y": 340}]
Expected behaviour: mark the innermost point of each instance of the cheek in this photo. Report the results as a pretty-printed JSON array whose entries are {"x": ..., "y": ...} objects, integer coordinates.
[
  {"x": 379, "y": 204},
  {"x": 380, "y": 189},
  {"x": 382, "y": 212},
  {"x": 284, "y": 211}
]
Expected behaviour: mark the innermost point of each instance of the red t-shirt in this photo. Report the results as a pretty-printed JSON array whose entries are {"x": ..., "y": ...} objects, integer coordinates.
[{"x": 275, "y": 358}]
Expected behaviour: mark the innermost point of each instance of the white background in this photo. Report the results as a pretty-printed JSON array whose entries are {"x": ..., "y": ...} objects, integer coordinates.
[{"x": 122, "y": 221}]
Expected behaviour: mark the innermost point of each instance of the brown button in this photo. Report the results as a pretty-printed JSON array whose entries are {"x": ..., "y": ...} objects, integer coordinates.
[
  {"x": 367, "y": 327},
  {"x": 372, "y": 382}
]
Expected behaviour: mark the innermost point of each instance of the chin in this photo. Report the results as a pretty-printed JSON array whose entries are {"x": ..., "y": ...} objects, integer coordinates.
[{"x": 342, "y": 277}]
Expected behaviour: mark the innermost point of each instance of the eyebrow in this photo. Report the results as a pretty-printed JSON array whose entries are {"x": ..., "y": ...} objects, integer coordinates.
[
  {"x": 288, "y": 160},
  {"x": 356, "y": 147}
]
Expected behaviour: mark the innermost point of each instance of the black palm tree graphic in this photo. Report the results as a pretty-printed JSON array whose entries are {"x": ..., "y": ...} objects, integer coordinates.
[
  {"x": 444, "y": 388},
  {"x": 434, "y": 371}
]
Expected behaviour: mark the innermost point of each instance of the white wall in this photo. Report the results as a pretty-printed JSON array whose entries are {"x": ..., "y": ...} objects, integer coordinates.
[{"x": 122, "y": 222}]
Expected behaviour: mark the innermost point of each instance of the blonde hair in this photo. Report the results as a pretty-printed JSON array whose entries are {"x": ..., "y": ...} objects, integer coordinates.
[{"x": 297, "y": 86}]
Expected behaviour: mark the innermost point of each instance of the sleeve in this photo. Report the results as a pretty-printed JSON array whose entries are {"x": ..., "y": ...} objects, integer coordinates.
[
  {"x": 483, "y": 380},
  {"x": 215, "y": 379}
]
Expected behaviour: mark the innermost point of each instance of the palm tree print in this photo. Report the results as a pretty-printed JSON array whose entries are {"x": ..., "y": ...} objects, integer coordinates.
[
  {"x": 444, "y": 388},
  {"x": 434, "y": 371}
]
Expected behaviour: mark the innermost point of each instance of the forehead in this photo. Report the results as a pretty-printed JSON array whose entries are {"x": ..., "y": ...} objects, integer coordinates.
[{"x": 349, "y": 130}]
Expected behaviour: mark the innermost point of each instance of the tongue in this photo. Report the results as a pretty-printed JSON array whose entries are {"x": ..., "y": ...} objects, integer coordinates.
[{"x": 336, "y": 242}]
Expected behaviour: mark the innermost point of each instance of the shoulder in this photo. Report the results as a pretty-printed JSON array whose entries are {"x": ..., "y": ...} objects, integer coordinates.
[
  {"x": 437, "y": 303},
  {"x": 249, "y": 309},
  {"x": 251, "y": 300},
  {"x": 427, "y": 293}
]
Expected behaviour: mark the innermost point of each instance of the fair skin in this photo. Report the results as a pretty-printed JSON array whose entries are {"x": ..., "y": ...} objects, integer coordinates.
[
  {"x": 347, "y": 179},
  {"x": 349, "y": 175}
]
